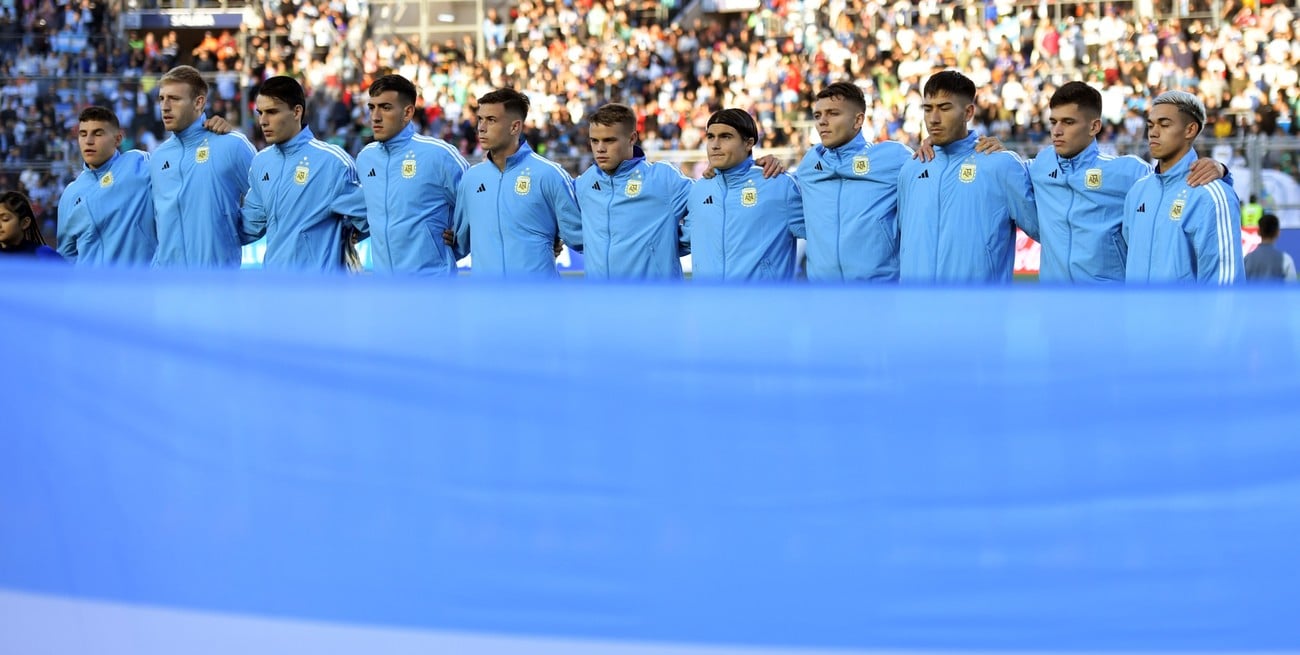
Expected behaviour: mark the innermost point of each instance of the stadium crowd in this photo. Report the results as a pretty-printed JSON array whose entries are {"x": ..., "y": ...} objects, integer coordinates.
[{"x": 570, "y": 56}]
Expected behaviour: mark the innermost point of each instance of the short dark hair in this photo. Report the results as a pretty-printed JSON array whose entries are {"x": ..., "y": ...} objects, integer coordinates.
[
  {"x": 739, "y": 119},
  {"x": 100, "y": 115},
  {"x": 404, "y": 88},
  {"x": 614, "y": 114},
  {"x": 1269, "y": 226},
  {"x": 286, "y": 90},
  {"x": 1077, "y": 93},
  {"x": 516, "y": 103},
  {"x": 951, "y": 82},
  {"x": 845, "y": 91},
  {"x": 189, "y": 76}
]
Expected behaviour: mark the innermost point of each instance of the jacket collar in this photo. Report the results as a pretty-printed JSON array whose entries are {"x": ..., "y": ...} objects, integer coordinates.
[
  {"x": 104, "y": 167},
  {"x": 399, "y": 140},
  {"x": 958, "y": 148},
  {"x": 1179, "y": 171},
  {"x": 1084, "y": 158},
  {"x": 296, "y": 143},
  {"x": 856, "y": 144},
  {"x": 638, "y": 156},
  {"x": 194, "y": 133},
  {"x": 736, "y": 172}
]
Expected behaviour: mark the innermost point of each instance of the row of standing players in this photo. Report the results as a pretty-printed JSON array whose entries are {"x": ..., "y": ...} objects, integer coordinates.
[{"x": 868, "y": 211}]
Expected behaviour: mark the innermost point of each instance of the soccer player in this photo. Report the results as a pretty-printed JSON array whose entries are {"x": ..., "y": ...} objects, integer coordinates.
[
  {"x": 512, "y": 206},
  {"x": 1080, "y": 192},
  {"x": 197, "y": 178},
  {"x": 957, "y": 214},
  {"x": 632, "y": 209},
  {"x": 1176, "y": 232},
  {"x": 850, "y": 193},
  {"x": 741, "y": 225},
  {"x": 301, "y": 189},
  {"x": 106, "y": 215},
  {"x": 410, "y": 183}
]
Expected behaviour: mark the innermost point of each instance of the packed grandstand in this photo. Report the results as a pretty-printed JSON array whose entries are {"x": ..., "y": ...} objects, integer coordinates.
[{"x": 674, "y": 64}]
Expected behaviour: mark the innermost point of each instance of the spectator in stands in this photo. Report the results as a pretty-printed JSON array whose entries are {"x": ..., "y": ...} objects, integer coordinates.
[{"x": 1266, "y": 263}]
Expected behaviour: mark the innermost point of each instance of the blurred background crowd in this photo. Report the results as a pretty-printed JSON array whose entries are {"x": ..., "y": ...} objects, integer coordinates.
[{"x": 674, "y": 62}]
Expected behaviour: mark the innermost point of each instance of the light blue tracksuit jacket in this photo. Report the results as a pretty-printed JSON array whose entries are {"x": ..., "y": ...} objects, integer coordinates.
[
  {"x": 1080, "y": 209},
  {"x": 299, "y": 194},
  {"x": 850, "y": 199},
  {"x": 742, "y": 227},
  {"x": 1178, "y": 233},
  {"x": 957, "y": 215},
  {"x": 632, "y": 219},
  {"x": 410, "y": 184},
  {"x": 106, "y": 215},
  {"x": 508, "y": 219},
  {"x": 199, "y": 179}
]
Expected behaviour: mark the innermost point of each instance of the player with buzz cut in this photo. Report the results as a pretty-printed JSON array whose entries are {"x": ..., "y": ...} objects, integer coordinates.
[
  {"x": 512, "y": 207},
  {"x": 740, "y": 225},
  {"x": 410, "y": 183},
  {"x": 302, "y": 191},
  {"x": 957, "y": 214},
  {"x": 198, "y": 179},
  {"x": 632, "y": 209},
  {"x": 106, "y": 215},
  {"x": 1176, "y": 232},
  {"x": 850, "y": 193}
]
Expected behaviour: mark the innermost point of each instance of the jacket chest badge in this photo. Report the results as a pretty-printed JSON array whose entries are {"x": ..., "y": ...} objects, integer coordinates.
[
  {"x": 106, "y": 181},
  {"x": 523, "y": 184},
  {"x": 966, "y": 173},
  {"x": 861, "y": 165},
  {"x": 1092, "y": 178},
  {"x": 1176, "y": 210},
  {"x": 201, "y": 155},
  {"x": 633, "y": 188},
  {"x": 408, "y": 166},
  {"x": 749, "y": 196},
  {"x": 300, "y": 173}
]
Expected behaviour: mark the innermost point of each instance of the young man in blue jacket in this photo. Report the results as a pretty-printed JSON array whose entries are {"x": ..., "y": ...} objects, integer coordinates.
[
  {"x": 302, "y": 191},
  {"x": 1176, "y": 232},
  {"x": 410, "y": 183},
  {"x": 850, "y": 193},
  {"x": 632, "y": 209},
  {"x": 106, "y": 215},
  {"x": 740, "y": 225},
  {"x": 957, "y": 214},
  {"x": 198, "y": 180},
  {"x": 512, "y": 206}
]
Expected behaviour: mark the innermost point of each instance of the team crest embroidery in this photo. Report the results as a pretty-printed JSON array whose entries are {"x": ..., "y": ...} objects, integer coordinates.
[
  {"x": 861, "y": 165},
  {"x": 749, "y": 196},
  {"x": 633, "y": 188},
  {"x": 966, "y": 173},
  {"x": 300, "y": 173},
  {"x": 1176, "y": 210},
  {"x": 106, "y": 181},
  {"x": 201, "y": 155},
  {"x": 1092, "y": 178},
  {"x": 408, "y": 166},
  {"x": 522, "y": 184}
]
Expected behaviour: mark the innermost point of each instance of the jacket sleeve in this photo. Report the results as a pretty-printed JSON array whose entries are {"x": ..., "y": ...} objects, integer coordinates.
[
  {"x": 350, "y": 200},
  {"x": 684, "y": 239},
  {"x": 794, "y": 208},
  {"x": 564, "y": 202},
  {"x": 252, "y": 216},
  {"x": 680, "y": 187},
  {"x": 460, "y": 222},
  {"x": 1215, "y": 234},
  {"x": 453, "y": 172},
  {"x": 68, "y": 231},
  {"x": 1019, "y": 191}
]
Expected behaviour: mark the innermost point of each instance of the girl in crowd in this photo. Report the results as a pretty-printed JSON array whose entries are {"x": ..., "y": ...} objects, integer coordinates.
[{"x": 19, "y": 234}]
